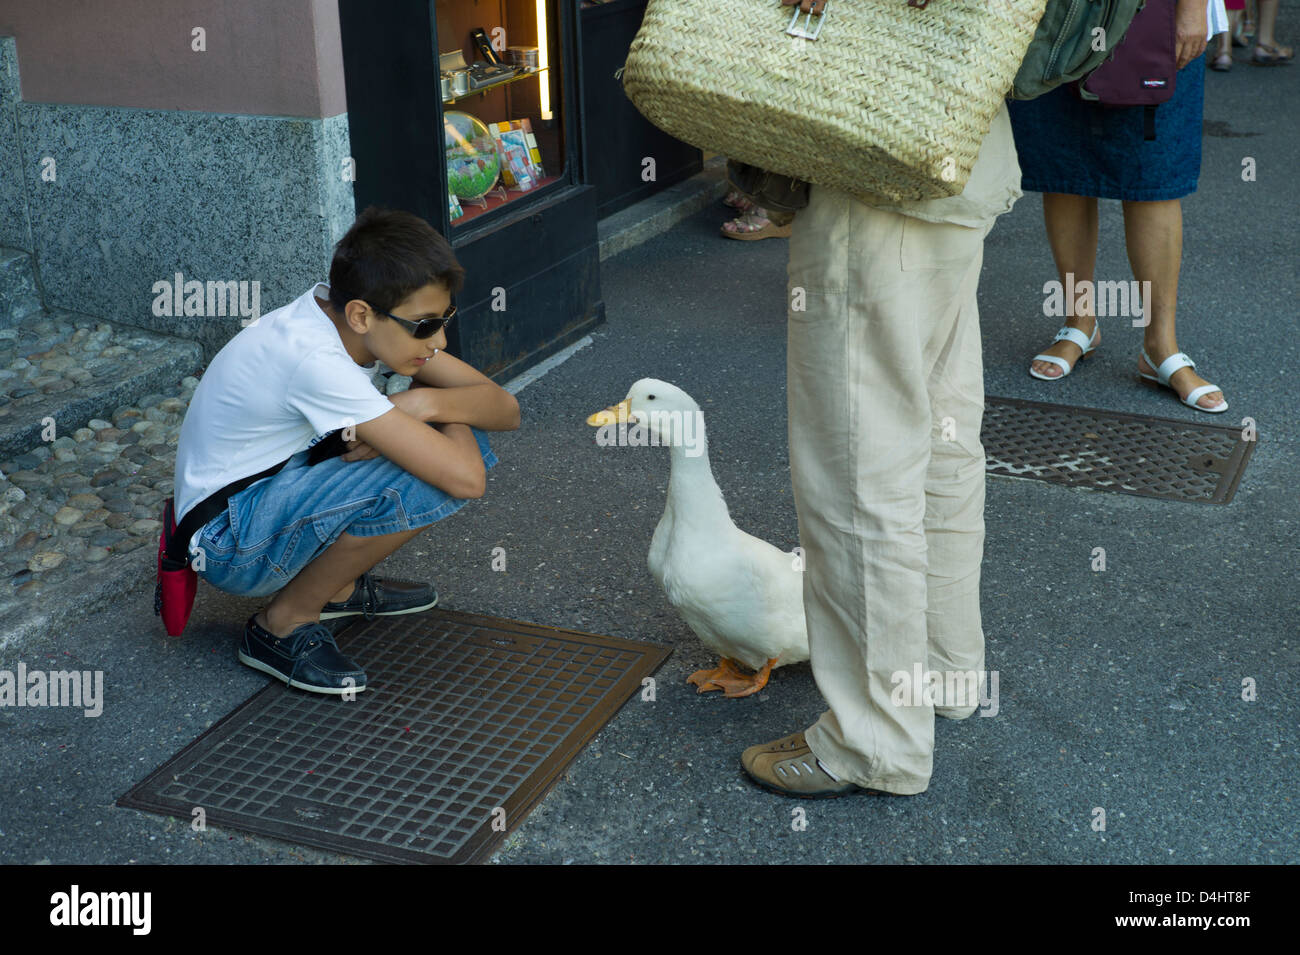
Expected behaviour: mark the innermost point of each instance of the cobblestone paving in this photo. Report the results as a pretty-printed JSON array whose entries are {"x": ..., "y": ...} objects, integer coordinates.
[
  {"x": 89, "y": 494},
  {"x": 72, "y": 504},
  {"x": 54, "y": 365},
  {"x": 47, "y": 357}
]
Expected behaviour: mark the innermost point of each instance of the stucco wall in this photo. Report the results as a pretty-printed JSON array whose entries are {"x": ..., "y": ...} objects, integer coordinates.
[{"x": 269, "y": 57}]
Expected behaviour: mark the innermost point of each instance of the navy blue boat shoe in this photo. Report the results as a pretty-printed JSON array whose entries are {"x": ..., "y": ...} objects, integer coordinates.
[
  {"x": 381, "y": 597},
  {"x": 308, "y": 658}
]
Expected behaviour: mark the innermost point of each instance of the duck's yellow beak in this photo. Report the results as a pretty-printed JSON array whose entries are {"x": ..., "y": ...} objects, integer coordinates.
[{"x": 614, "y": 414}]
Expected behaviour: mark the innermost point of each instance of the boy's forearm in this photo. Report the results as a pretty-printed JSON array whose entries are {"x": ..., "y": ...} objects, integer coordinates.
[
  {"x": 463, "y": 437},
  {"x": 445, "y": 456},
  {"x": 486, "y": 406},
  {"x": 461, "y": 434}
]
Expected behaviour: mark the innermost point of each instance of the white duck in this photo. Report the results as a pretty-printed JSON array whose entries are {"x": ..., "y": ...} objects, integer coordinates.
[{"x": 742, "y": 596}]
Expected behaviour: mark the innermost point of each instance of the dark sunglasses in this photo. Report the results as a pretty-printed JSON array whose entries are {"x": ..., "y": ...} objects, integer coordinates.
[{"x": 425, "y": 327}]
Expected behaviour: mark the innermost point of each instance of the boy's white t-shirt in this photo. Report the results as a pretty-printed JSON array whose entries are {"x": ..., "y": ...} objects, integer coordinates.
[{"x": 271, "y": 392}]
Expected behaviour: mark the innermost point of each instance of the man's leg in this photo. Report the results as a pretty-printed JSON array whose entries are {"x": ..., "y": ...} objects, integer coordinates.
[
  {"x": 879, "y": 286},
  {"x": 330, "y": 577},
  {"x": 954, "y": 509},
  {"x": 307, "y": 533}
]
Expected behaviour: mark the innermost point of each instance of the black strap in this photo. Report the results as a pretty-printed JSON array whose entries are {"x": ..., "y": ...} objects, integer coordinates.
[
  {"x": 330, "y": 446},
  {"x": 1149, "y": 123},
  {"x": 176, "y": 556}
]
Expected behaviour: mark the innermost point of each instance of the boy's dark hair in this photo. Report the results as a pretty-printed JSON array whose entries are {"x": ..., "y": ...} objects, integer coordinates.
[{"x": 387, "y": 255}]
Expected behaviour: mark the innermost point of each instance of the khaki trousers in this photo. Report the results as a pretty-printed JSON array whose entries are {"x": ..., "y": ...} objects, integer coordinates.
[{"x": 886, "y": 395}]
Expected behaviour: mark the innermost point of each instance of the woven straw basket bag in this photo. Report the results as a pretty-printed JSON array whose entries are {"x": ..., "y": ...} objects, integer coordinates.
[{"x": 878, "y": 98}]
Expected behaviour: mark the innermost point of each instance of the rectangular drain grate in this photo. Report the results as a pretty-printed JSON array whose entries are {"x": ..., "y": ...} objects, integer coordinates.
[
  {"x": 465, "y": 723},
  {"x": 1111, "y": 451}
]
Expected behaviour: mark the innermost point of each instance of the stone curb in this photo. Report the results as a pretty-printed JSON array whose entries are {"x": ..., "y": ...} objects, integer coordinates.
[{"x": 59, "y": 604}]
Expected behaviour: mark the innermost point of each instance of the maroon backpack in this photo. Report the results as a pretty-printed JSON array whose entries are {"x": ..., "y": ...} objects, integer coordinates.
[{"x": 1142, "y": 69}]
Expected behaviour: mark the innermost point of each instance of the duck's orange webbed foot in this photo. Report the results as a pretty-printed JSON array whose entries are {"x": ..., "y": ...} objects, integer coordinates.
[{"x": 730, "y": 679}]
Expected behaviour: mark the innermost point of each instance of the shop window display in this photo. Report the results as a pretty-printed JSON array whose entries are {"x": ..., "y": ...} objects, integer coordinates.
[{"x": 501, "y": 99}]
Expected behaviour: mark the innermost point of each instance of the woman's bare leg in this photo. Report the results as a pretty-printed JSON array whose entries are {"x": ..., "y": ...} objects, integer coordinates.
[
  {"x": 1153, "y": 233},
  {"x": 1072, "y": 224}
]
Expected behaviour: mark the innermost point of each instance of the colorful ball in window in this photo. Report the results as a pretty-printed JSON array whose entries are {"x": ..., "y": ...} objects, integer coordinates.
[{"x": 473, "y": 162}]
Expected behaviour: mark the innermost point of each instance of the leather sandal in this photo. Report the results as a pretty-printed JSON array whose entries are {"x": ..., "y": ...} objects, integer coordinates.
[
  {"x": 1271, "y": 55},
  {"x": 747, "y": 229},
  {"x": 1166, "y": 370},
  {"x": 1086, "y": 344}
]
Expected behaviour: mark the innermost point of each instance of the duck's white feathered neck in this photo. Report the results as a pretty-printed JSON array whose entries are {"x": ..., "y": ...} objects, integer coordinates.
[{"x": 693, "y": 495}]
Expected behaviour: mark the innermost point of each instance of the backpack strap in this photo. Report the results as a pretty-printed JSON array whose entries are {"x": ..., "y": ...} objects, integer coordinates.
[
  {"x": 1148, "y": 122},
  {"x": 177, "y": 537}
]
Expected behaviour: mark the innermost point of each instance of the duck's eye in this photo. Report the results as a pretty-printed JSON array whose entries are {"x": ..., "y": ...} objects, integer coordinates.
[{"x": 652, "y": 398}]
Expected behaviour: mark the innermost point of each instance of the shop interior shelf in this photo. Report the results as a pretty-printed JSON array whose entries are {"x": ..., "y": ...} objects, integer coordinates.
[{"x": 491, "y": 86}]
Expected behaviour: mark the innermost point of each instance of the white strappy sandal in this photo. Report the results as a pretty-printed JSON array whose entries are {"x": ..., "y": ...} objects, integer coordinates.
[
  {"x": 1173, "y": 363},
  {"x": 1086, "y": 344}
]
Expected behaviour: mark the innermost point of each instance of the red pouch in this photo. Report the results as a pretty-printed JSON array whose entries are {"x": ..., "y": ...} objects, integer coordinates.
[{"x": 173, "y": 597}]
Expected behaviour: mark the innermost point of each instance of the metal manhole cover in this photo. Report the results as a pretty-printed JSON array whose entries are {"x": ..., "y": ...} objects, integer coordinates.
[
  {"x": 465, "y": 724},
  {"x": 1111, "y": 451}
]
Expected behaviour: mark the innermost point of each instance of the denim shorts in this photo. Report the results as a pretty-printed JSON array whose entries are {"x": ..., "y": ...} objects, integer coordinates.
[{"x": 269, "y": 532}]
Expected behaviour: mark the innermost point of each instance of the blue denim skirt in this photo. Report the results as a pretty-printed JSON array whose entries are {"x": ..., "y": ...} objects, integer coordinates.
[
  {"x": 1071, "y": 146},
  {"x": 272, "y": 530}
]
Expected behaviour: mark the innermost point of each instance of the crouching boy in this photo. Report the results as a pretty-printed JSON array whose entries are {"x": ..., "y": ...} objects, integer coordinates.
[{"x": 298, "y": 382}]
